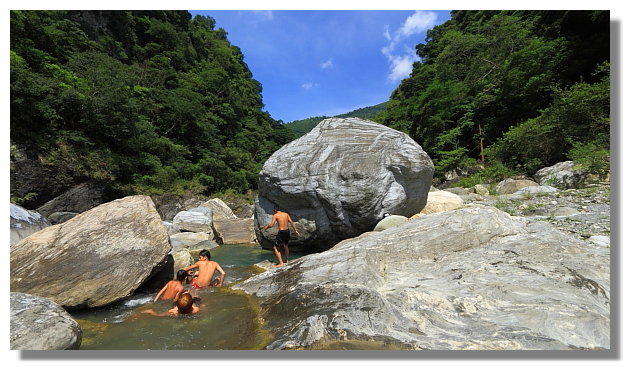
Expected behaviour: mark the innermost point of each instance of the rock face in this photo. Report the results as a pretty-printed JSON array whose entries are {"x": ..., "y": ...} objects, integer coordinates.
[
  {"x": 198, "y": 219},
  {"x": 24, "y": 223},
  {"x": 219, "y": 209},
  {"x": 40, "y": 324},
  {"x": 94, "y": 259},
  {"x": 234, "y": 231},
  {"x": 79, "y": 199},
  {"x": 473, "y": 278},
  {"x": 340, "y": 179},
  {"x": 562, "y": 175}
]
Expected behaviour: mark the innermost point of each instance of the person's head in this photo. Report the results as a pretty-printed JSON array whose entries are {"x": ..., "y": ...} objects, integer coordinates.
[
  {"x": 184, "y": 303},
  {"x": 181, "y": 275},
  {"x": 276, "y": 209},
  {"x": 205, "y": 254}
]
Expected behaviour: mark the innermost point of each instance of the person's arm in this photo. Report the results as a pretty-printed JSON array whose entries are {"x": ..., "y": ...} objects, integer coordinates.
[
  {"x": 186, "y": 269},
  {"x": 154, "y": 313},
  {"x": 273, "y": 220},
  {"x": 293, "y": 226},
  {"x": 161, "y": 292},
  {"x": 178, "y": 294},
  {"x": 222, "y": 275}
]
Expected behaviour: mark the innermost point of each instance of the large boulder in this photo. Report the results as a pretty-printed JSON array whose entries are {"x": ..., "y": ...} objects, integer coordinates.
[
  {"x": 234, "y": 231},
  {"x": 511, "y": 185},
  {"x": 566, "y": 175},
  {"x": 473, "y": 278},
  {"x": 340, "y": 180},
  {"x": 198, "y": 219},
  {"x": 220, "y": 210},
  {"x": 441, "y": 200},
  {"x": 24, "y": 223},
  {"x": 40, "y": 324},
  {"x": 96, "y": 258}
]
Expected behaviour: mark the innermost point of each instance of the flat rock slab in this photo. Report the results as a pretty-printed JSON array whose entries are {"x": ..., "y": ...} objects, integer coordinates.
[
  {"x": 472, "y": 278},
  {"x": 234, "y": 231}
]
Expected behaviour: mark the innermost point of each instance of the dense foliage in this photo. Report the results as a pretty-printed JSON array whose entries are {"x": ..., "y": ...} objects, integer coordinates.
[
  {"x": 150, "y": 101},
  {"x": 531, "y": 86},
  {"x": 301, "y": 127}
]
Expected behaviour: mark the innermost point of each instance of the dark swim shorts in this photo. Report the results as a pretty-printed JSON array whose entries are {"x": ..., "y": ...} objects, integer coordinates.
[{"x": 283, "y": 237}]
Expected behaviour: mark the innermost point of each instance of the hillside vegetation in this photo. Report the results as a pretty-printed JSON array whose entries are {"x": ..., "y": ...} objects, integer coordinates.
[
  {"x": 301, "y": 127},
  {"x": 147, "y": 101},
  {"x": 510, "y": 90}
]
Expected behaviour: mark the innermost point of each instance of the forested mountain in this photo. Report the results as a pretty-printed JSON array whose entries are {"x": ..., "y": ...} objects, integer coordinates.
[
  {"x": 148, "y": 101},
  {"x": 531, "y": 87},
  {"x": 301, "y": 127}
]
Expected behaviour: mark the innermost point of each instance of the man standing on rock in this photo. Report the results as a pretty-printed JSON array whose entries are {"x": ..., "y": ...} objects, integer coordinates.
[{"x": 282, "y": 238}]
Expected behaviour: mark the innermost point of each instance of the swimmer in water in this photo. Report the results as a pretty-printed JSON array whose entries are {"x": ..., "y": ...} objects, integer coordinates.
[{"x": 184, "y": 306}]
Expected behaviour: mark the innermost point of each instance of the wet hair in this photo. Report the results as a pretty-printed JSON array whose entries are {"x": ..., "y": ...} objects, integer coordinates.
[
  {"x": 181, "y": 275},
  {"x": 184, "y": 303},
  {"x": 276, "y": 208},
  {"x": 205, "y": 253}
]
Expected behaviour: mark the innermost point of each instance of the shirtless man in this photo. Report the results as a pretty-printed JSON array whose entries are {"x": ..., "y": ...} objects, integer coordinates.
[
  {"x": 282, "y": 238},
  {"x": 173, "y": 289},
  {"x": 206, "y": 270}
]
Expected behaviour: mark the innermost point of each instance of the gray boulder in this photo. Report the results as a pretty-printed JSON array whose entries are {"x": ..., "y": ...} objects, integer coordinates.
[
  {"x": 60, "y": 217},
  {"x": 198, "y": 219},
  {"x": 473, "y": 278},
  {"x": 40, "y": 324},
  {"x": 340, "y": 179},
  {"x": 96, "y": 258},
  {"x": 510, "y": 185},
  {"x": 562, "y": 175},
  {"x": 220, "y": 210},
  {"x": 24, "y": 223}
]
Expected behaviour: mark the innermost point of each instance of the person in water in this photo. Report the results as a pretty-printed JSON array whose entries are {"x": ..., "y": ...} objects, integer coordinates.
[
  {"x": 173, "y": 289},
  {"x": 284, "y": 235},
  {"x": 206, "y": 270},
  {"x": 184, "y": 305}
]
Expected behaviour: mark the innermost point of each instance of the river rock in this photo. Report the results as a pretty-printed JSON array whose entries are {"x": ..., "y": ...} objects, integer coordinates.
[
  {"x": 510, "y": 185},
  {"x": 340, "y": 180},
  {"x": 80, "y": 198},
  {"x": 94, "y": 259},
  {"x": 562, "y": 175},
  {"x": 24, "y": 223},
  {"x": 188, "y": 239},
  {"x": 40, "y": 324},
  {"x": 198, "y": 219},
  {"x": 472, "y": 278},
  {"x": 542, "y": 189},
  {"x": 220, "y": 210},
  {"x": 442, "y": 200},
  {"x": 389, "y": 222},
  {"x": 234, "y": 231}
]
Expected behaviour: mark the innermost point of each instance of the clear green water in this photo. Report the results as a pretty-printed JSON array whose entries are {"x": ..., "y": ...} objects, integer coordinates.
[{"x": 229, "y": 320}]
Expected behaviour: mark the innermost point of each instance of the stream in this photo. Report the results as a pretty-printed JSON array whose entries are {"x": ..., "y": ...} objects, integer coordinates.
[{"x": 228, "y": 319}]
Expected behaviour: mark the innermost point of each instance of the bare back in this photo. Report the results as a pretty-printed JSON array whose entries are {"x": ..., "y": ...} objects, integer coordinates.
[
  {"x": 173, "y": 289},
  {"x": 283, "y": 219},
  {"x": 206, "y": 269}
]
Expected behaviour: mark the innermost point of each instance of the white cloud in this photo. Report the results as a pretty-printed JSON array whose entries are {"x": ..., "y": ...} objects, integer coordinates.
[
  {"x": 417, "y": 23},
  {"x": 327, "y": 64},
  {"x": 401, "y": 65},
  {"x": 264, "y": 14},
  {"x": 309, "y": 85}
]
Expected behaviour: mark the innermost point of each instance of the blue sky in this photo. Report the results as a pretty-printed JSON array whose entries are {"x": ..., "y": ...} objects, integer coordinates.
[{"x": 326, "y": 62}]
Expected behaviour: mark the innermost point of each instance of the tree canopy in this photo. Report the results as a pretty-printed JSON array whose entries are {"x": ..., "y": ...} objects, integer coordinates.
[
  {"x": 149, "y": 101},
  {"x": 532, "y": 86}
]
